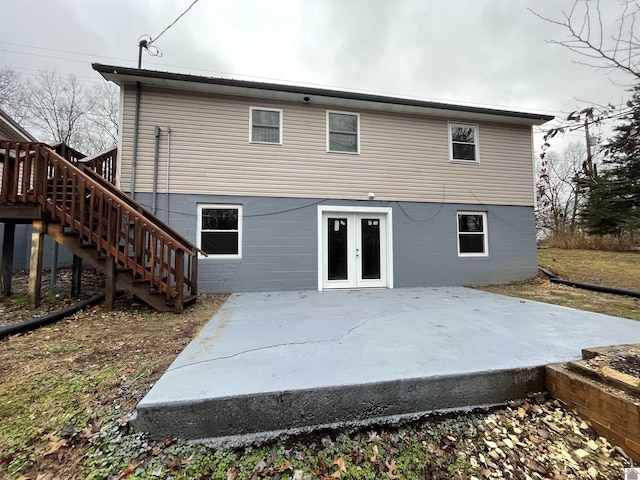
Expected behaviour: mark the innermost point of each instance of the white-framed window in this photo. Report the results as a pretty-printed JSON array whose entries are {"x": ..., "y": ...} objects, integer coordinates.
[
  {"x": 463, "y": 142},
  {"x": 343, "y": 132},
  {"x": 472, "y": 234},
  {"x": 220, "y": 230},
  {"x": 265, "y": 125}
]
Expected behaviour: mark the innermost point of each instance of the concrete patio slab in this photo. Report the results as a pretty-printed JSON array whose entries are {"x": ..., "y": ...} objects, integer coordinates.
[{"x": 282, "y": 361}]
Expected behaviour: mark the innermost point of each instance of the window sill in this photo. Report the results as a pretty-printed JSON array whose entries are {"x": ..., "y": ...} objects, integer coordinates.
[
  {"x": 465, "y": 162},
  {"x": 343, "y": 153},
  {"x": 265, "y": 143},
  {"x": 219, "y": 257}
]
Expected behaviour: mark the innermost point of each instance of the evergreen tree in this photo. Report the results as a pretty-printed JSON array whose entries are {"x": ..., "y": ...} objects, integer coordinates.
[{"x": 614, "y": 198}]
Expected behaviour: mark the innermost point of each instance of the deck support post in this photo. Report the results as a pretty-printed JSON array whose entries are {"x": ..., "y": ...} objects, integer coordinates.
[
  {"x": 38, "y": 230},
  {"x": 110, "y": 283},
  {"x": 76, "y": 276},
  {"x": 179, "y": 262},
  {"x": 194, "y": 274},
  {"x": 6, "y": 269}
]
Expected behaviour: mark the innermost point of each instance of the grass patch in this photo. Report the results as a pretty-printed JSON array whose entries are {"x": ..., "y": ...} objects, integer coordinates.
[
  {"x": 62, "y": 383},
  {"x": 612, "y": 269}
]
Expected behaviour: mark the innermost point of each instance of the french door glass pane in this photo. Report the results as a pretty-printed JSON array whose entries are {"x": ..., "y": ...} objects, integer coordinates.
[
  {"x": 370, "y": 230},
  {"x": 337, "y": 246}
]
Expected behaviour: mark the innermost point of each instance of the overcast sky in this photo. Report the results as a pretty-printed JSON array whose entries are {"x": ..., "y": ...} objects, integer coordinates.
[{"x": 483, "y": 52}]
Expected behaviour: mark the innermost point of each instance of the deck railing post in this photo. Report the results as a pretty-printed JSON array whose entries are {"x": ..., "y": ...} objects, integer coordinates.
[{"x": 179, "y": 260}]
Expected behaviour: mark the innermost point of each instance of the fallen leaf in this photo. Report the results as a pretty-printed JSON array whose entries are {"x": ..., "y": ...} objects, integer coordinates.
[
  {"x": 341, "y": 467},
  {"x": 287, "y": 465},
  {"x": 45, "y": 476},
  {"x": 391, "y": 467},
  {"x": 126, "y": 473},
  {"x": 232, "y": 473},
  {"x": 373, "y": 458},
  {"x": 54, "y": 446}
]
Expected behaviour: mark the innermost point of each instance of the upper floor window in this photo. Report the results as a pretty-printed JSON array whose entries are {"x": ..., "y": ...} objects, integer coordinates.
[
  {"x": 343, "y": 132},
  {"x": 265, "y": 125},
  {"x": 472, "y": 234},
  {"x": 220, "y": 230},
  {"x": 463, "y": 140}
]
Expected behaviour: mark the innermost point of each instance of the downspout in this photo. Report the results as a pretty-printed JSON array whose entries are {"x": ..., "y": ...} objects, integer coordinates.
[
  {"x": 168, "y": 168},
  {"x": 136, "y": 122},
  {"x": 156, "y": 153}
]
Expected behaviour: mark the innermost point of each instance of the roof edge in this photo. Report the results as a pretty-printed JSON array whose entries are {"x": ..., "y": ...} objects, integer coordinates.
[
  {"x": 105, "y": 70},
  {"x": 16, "y": 126}
]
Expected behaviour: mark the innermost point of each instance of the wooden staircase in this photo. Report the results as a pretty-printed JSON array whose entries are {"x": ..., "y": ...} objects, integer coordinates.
[{"x": 75, "y": 202}]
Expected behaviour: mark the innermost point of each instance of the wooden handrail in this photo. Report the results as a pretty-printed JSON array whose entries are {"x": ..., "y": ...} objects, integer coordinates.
[
  {"x": 104, "y": 164},
  {"x": 102, "y": 216},
  {"x": 146, "y": 213}
]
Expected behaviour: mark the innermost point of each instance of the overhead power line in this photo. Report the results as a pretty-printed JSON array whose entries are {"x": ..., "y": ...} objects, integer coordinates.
[
  {"x": 143, "y": 43},
  {"x": 174, "y": 22}
]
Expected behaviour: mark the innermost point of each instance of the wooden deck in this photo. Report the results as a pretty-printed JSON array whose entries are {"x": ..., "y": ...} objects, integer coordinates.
[{"x": 74, "y": 201}]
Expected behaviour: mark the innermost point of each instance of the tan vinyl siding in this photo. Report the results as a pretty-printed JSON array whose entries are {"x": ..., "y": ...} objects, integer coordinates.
[{"x": 402, "y": 157}]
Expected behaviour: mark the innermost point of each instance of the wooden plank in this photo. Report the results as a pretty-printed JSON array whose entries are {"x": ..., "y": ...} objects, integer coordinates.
[
  {"x": 26, "y": 178},
  {"x": 76, "y": 276},
  {"x": 179, "y": 301},
  {"x": 20, "y": 212},
  {"x": 110, "y": 284},
  {"x": 6, "y": 269},
  {"x": 35, "y": 262},
  {"x": 193, "y": 277}
]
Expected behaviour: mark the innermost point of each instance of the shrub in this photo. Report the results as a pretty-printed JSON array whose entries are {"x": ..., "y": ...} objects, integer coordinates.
[{"x": 583, "y": 241}]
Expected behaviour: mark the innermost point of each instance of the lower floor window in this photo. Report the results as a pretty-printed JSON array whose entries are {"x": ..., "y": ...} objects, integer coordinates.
[
  {"x": 472, "y": 234},
  {"x": 220, "y": 230}
]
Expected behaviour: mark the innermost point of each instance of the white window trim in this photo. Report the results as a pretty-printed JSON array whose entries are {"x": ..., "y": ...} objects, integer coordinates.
[
  {"x": 202, "y": 206},
  {"x": 485, "y": 232},
  {"x": 357, "y": 115},
  {"x": 477, "y": 143},
  {"x": 268, "y": 109}
]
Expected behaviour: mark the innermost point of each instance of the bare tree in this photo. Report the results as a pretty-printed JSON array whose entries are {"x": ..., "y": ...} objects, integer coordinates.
[
  {"x": 102, "y": 125},
  {"x": 59, "y": 108},
  {"x": 588, "y": 37},
  {"x": 560, "y": 197},
  {"x": 12, "y": 95}
]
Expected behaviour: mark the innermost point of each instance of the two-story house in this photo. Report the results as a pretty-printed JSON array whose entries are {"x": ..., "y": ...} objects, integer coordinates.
[{"x": 288, "y": 187}]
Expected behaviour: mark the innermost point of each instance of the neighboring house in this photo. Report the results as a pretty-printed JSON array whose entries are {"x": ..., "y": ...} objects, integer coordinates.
[
  {"x": 12, "y": 130},
  {"x": 289, "y": 187}
]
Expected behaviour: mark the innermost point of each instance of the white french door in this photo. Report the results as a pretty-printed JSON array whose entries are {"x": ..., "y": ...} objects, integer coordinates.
[{"x": 354, "y": 249}]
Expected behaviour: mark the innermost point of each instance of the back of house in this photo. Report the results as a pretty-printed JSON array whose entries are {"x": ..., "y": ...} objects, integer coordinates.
[{"x": 294, "y": 188}]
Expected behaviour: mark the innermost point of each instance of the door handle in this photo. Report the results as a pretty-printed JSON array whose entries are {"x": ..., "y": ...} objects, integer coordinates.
[{"x": 357, "y": 252}]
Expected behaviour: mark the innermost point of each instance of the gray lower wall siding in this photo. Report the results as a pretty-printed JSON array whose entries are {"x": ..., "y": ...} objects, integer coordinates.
[{"x": 280, "y": 250}]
